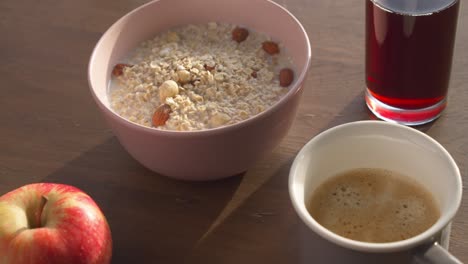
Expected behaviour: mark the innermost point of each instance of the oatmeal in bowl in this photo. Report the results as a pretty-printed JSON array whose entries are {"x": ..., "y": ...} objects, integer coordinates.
[
  {"x": 199, "y": 77},
  {"x": 203, "y": 95}
]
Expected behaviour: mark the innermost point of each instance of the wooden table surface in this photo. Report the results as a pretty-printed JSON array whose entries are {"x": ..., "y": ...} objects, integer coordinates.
[{"x": 51, "y": 131}]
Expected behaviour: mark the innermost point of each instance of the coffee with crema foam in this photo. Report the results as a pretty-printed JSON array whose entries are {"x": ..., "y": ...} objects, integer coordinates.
[{"x": 373, "y": 205}]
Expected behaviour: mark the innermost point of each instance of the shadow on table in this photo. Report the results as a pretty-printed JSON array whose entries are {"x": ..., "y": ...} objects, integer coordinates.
[
  {"x": 254, "y": 231},
  {"x": 152, "y": 218}
]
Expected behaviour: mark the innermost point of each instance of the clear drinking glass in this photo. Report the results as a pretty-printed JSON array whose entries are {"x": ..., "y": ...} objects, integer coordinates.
[{"x": 409, "y": 48}]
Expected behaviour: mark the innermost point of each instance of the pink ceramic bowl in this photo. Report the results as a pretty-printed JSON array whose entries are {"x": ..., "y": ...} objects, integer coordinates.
[{"x": 209, "y": 154}]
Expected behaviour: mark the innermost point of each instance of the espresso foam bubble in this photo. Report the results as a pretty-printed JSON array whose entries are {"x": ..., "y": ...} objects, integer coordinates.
[{"x": 373, "y": 205}]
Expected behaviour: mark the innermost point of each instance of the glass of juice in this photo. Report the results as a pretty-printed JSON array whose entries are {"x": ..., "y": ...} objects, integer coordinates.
[{"x": 409, "y": 48}]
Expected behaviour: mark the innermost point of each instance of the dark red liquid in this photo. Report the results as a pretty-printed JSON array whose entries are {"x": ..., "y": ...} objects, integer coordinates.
[{"x": 409, "y": 50}]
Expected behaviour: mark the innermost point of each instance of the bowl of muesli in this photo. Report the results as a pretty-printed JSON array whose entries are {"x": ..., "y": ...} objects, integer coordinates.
[{"x": 200, "y": 89}]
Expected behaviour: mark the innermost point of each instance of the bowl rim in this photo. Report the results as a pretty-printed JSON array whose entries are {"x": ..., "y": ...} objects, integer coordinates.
[{"x": 293, "y": 90}]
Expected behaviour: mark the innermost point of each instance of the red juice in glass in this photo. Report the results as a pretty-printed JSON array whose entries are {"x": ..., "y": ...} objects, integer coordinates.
[{"x": 409, "y": 47}]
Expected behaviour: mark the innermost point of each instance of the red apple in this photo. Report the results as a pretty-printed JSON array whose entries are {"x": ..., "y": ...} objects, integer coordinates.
[{"x": 52, "y": 223}]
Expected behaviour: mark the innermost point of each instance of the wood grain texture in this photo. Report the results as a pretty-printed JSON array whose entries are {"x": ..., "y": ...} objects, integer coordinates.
[{"x": 51, "y": 131}]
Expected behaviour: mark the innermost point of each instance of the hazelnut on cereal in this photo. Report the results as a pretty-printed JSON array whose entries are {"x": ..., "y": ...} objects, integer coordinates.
[
  {"x": 239, "y": 34},
  {"x": 168, "y": 89},
  {"x": 286, "y": 77},
  {"x": 161, "y": 115},
  {"x": 270, "y": 47}
]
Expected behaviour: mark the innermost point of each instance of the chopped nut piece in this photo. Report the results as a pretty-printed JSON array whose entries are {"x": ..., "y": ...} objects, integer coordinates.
[
  {"x": 239, "y": 34},
  {"x": 270, "y": 47},
  {"x": 286, "y": 77},
  {"x": 219, "y": 119},
  {"x": 155, "y": 65},
  {"x": 219, "y": 77},
  {"x": 184, "y": 76},
  {"x": 209, "y": 68},
  {"x": 118, "y": 69},
  {"x": 254, "y": 74},
  {"x": 168, "y": 89},
  {"x": 161, "y": 115}
]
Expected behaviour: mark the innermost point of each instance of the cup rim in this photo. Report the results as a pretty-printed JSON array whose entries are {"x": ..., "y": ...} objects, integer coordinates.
[
  {"x": 426, "y": 236},
  {"x": 293, "y": 90}
]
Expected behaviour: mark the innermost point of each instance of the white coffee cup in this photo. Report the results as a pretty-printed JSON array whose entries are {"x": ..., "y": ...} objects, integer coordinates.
[{"x": 377, "y": 144}]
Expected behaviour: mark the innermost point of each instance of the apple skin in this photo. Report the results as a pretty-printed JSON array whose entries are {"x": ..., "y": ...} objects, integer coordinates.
[{"x": 66, "y": 226}]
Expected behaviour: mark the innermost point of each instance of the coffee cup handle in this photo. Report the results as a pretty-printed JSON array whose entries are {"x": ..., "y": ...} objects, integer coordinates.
[{"x": 434, "y": 254}]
